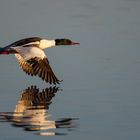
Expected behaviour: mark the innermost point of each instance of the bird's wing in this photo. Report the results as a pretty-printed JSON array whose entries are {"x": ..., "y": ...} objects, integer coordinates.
[
  {"x": 42, "y": 68},
  {"x": 34, "y": 62},
  {"x": 24, "y": 65}
]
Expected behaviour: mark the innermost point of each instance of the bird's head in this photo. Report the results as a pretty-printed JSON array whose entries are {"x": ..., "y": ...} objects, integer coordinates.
[{"x": 65, "y": 42}]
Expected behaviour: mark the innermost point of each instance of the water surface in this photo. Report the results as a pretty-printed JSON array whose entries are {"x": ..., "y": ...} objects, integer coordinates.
[{"x": 99, "y": 96}]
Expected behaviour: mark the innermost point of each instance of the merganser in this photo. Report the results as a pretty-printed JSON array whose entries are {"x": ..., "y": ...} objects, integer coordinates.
[{"x": 31, "y": 57}]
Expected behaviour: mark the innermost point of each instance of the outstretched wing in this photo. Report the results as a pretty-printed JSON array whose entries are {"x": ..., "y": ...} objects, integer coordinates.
[
  {"x": 34, "y": 62},
  {"x": 42, "y": 68}
]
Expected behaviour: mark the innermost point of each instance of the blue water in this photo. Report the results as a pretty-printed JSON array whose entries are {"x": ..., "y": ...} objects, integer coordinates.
[{"x": 99, "y": 96}]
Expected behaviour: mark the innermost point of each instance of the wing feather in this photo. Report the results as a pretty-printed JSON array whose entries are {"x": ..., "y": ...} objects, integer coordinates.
[
  {"x": 24, "y": 65},
  {"x": 34, "y": 65}
]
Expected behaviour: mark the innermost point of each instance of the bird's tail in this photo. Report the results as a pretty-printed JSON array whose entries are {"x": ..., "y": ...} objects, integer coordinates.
[{"x": 3, "y": 51}]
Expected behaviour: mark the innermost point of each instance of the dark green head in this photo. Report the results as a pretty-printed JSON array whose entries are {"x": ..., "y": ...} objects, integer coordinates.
[{"x": 65, "y": 42}]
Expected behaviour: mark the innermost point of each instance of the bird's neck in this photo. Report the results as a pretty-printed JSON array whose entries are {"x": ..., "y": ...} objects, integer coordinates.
[{"x": 46, "y": 43}]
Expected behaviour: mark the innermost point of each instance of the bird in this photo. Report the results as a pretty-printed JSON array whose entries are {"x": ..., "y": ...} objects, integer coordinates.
[{"x": 32, "y": 58}]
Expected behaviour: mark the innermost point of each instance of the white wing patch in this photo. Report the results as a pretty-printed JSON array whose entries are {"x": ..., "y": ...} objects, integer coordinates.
[{"x": 30, "y": 52}]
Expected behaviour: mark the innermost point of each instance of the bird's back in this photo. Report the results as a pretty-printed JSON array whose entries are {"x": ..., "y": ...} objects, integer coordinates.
[{"x": 24, "y": 41}]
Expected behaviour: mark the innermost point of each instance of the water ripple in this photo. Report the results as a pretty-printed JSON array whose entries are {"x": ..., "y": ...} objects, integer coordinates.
[{"x": 31, "y": 113}]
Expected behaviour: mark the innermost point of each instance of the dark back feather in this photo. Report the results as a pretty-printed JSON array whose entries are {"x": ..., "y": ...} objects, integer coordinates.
[{"x": 24, "y": 41}]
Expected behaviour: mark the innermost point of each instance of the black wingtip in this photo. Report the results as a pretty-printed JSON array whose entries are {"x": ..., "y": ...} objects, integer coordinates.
[{"x": 56, "y": 82}]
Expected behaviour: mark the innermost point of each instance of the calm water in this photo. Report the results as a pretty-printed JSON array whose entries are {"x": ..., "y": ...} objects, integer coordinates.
[{"x": 99, "y": 96}]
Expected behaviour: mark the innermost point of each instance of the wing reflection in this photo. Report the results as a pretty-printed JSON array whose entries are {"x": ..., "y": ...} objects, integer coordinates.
[
  {"x": 31, "y": 112},
  {"x": 32, "y": 109}
]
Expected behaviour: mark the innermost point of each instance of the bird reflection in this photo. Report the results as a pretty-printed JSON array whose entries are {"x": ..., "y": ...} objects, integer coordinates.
[{"x": 31, "y": 112}]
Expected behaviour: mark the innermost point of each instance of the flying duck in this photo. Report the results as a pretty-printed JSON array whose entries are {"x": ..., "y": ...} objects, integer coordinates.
[{"x": 31, "y": 57}]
